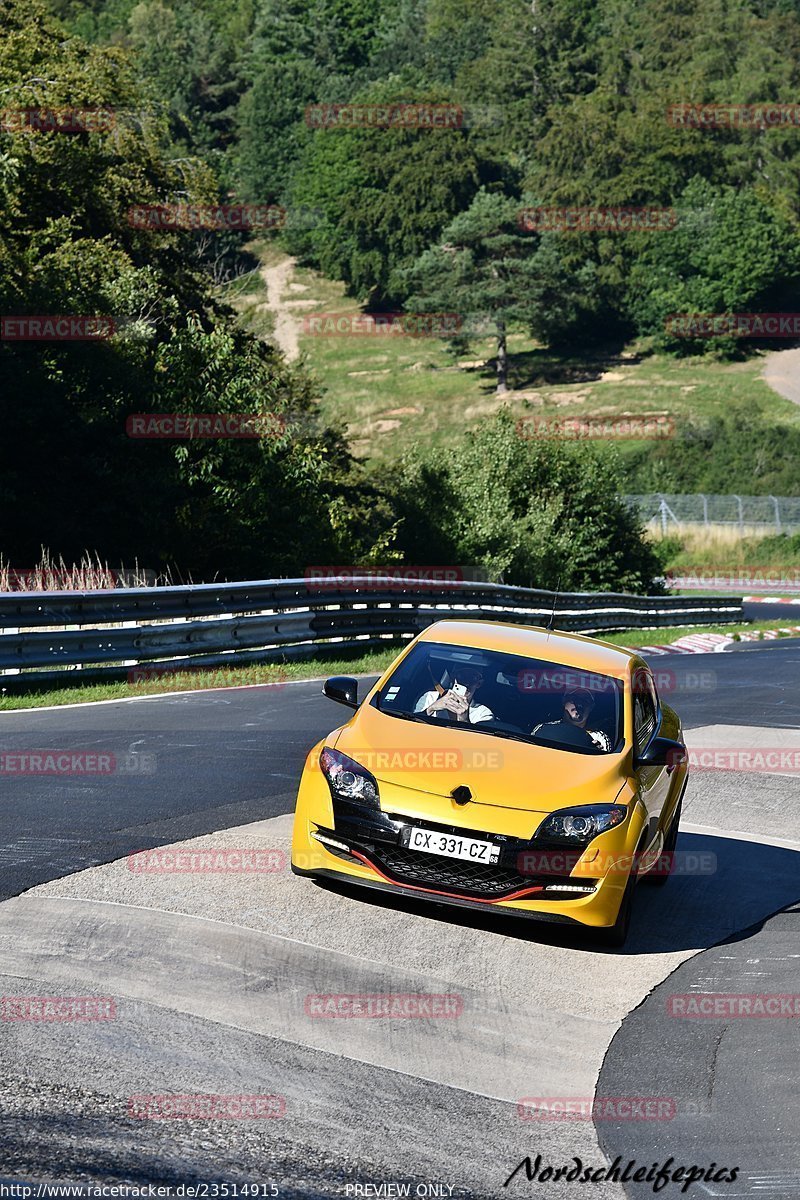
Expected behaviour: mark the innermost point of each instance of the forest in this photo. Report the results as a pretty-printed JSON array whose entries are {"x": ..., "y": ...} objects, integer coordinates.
[{"x": 564, "y": 104}]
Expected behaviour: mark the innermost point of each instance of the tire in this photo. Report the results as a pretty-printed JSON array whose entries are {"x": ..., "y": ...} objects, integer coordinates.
[
  {"x": 660, "y": 879},
  {"x": 615, "y": 935}
]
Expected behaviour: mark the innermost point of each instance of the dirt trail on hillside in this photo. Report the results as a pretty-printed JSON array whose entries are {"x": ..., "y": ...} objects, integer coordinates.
[
  {"x": 782, "y": 373},
  {"x": 278, "y": 281}
]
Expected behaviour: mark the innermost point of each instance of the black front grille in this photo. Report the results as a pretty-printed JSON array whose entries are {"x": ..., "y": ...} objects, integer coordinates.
[{"x": 448, "y": 874}]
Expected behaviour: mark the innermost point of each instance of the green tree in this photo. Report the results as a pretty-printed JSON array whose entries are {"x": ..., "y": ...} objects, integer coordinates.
[
  {"x": 189, "y": 58},
  {"x": 69, "y": 473},
  {"x": 485, "y": 268},
  {"x": 272, "y": 130},
  {"x": 730, "y": 252},
  {"x": 455, "y": 33},
  {"x": 383, "y": 194},
  {"x": 532, "y": 510},
  {"x": 735, "y": 452}
]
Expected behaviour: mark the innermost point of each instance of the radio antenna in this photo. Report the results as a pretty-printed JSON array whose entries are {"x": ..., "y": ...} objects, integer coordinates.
[{"x": 549, "y": 624}]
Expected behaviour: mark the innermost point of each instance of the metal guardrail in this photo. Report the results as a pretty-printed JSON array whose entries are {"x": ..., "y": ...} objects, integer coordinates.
[{"x": 54, "y": 636}]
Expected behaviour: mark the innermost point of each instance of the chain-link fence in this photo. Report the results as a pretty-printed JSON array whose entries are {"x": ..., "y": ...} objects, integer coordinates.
[{"x": 758, "y": 514}]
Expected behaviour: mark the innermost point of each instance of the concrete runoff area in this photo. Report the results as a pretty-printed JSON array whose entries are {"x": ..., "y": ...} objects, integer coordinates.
[{"x": 235, "y": 956}]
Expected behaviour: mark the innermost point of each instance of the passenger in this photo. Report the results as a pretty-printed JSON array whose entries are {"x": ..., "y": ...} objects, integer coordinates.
[{"x": 457, "y": 701}]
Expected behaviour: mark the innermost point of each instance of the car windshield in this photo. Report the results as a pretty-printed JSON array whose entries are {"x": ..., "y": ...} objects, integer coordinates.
[{"x": 506, "y": 695}]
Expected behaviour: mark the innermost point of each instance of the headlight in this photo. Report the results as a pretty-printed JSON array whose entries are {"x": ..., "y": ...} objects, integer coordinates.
[
  {"x": 579, "y": 825},
  {"x": 346, "y": 778}
]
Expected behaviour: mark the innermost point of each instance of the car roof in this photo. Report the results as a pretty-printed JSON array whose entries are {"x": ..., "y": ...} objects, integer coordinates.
[{"x": 566, "y": 649}]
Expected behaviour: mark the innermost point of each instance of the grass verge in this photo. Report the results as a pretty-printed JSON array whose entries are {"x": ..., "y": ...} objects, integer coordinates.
[
  {"x": 274, "y": 675},
  {"x": 390, "y": 391},
  {"x": 774, "y": 557}
]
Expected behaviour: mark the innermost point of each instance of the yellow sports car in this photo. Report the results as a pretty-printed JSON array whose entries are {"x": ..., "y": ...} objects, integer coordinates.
[{"x": 499, "y": 766}]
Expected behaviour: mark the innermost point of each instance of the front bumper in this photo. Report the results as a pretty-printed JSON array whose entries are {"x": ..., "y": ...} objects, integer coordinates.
[
  {"x": 451, "y": 901},
  {"x": 349, "y": 843}
]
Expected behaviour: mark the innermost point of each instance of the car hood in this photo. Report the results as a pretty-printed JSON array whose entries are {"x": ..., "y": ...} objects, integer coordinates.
[{"x": 501, "y": 772}]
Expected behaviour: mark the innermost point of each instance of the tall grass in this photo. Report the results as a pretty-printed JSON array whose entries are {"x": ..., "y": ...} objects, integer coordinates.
[
  {"x": 90, "y": 574},
  {"x": 724, "y": 546}
]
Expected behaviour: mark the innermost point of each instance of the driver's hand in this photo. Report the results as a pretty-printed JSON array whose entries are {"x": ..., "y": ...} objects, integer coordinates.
[{"x": 458, "y": 705}]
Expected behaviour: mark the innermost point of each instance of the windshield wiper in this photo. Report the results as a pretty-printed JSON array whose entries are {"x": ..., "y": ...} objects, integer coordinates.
[
  {"x": 484, "y": 727},
  {"x": 405, "y": 716},
  {"x": 569, "y": 746}
]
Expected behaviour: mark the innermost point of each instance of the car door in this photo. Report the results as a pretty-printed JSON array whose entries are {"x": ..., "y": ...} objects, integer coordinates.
[{"x": 654, "y": 782}]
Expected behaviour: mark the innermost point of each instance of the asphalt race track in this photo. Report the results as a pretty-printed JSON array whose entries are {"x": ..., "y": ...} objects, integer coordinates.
[
  {"x": 744, "y": 1076},
  {"x": 209, "y": 974}
]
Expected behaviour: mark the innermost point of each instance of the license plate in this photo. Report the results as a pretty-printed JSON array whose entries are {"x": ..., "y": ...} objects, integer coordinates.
[{"x": 451, "y": 845}]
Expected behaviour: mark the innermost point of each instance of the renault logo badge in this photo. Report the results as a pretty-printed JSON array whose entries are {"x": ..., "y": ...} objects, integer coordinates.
[{"x": 461, "y": 794}]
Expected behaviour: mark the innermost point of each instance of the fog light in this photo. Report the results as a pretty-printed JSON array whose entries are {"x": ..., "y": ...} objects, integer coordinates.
[
  {"x": 570, "y": 887},
  {"x": 329, "y": 841}
]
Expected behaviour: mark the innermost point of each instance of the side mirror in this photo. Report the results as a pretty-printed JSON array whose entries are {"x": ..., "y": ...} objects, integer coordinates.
[
  {"x": 662, "y": 752},
  {"x": 342, "y": 689}
]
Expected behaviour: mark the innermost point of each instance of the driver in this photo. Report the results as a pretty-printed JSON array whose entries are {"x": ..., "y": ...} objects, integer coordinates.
[
  {"x": 578, "y": 705},
  {"x": 458, "y": 701}
]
